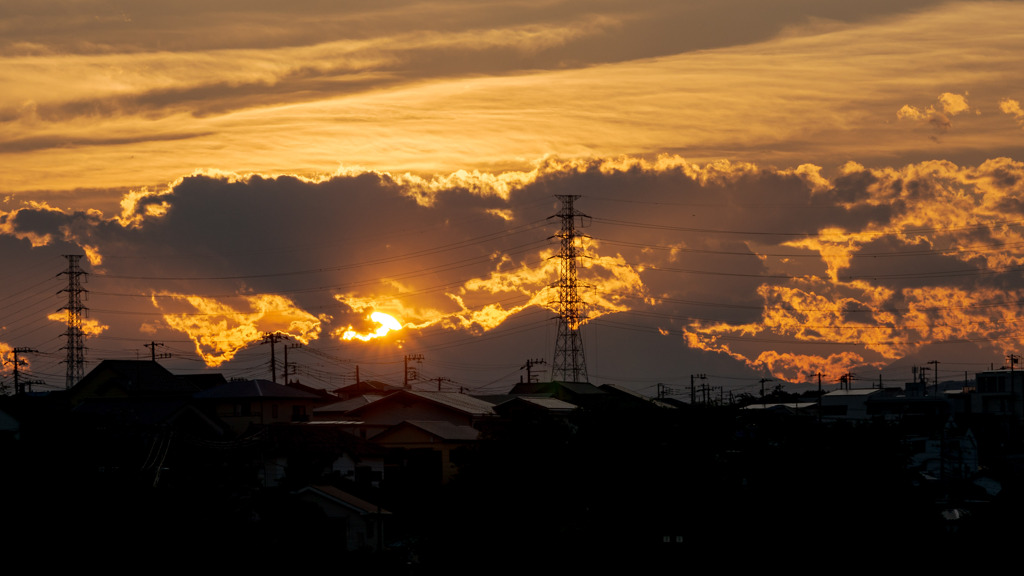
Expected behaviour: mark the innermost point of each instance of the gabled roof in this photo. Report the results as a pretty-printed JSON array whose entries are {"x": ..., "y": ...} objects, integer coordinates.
[
  {"x": 133, "y": 377},
  {"x": 852, "y": 392},
  {"x": 453, "y": 400},
  {"x": 463, "y": 402},
  {"x": 348, "y": 405},
  {"x": 439, "y": 428},
  {"x": 344, "y": 499},
  {"x": 365, "y": 387},
  {"x": 789, "y": 406},
  {"x": 545, "y": 402},
  {"x": 556, "y": 388},
  {"x": 202, "y": 381},
  {"x": 255, "y": 389},
  {"x": 312, "y": 390},
  {"x": 623, "y": 391}
]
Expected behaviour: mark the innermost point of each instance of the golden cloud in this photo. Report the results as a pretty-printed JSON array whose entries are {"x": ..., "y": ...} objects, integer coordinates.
[
  {"x": 89, "y": 326},
  {"x": 221, "y": 329},
  {"x": 606, "y": 284},
  {"x": 949, "y": 105},
  {"x": 1012, "y": 107}
]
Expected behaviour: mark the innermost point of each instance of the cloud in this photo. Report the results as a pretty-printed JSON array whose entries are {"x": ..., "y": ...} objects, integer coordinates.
[
  {"x": 1012, "y": 108},
  {"x": 494, "y": 97},
  {"x": 220, "y": 329},
  {"x": 938, "y": 115}
]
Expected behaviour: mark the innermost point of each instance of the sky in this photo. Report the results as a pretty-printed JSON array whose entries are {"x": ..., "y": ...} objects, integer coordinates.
[{"x": 783, "y": 194}]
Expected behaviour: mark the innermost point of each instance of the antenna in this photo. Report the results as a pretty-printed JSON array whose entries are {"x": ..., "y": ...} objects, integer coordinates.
[{"x": 569, "y": 364}]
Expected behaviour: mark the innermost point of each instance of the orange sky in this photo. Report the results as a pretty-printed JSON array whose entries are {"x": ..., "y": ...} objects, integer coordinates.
[{"x": 812, "y": 188}]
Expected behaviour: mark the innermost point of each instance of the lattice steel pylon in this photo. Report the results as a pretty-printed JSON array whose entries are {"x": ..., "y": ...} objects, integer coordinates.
[
  {"x": 569, "y": 364},
  {"x": 75, "y": 347}
]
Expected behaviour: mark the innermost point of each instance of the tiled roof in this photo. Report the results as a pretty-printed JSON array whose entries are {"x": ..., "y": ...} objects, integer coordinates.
[
  {"x": 463, "y": 402},
  {"x": 544, "y": 402},
  {"x": 445, "y": 430},
  {"x": 350, "y": 404},
  {"x": 255, "y": 389},
  {"x": 345, "y": 498}
]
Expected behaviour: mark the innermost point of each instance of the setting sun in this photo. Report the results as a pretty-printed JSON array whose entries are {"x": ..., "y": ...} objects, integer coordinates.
[{"x": 386, "y": 323}]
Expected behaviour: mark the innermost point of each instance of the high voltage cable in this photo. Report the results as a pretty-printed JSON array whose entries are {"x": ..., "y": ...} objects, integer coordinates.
[
  {"x": 387, "y": 260},
  {"x": 790, "y": 308},
  {"x": 879, "y": 233},
  {"x": 994, "y": 247},
  {"x": 348, "y": 286}
]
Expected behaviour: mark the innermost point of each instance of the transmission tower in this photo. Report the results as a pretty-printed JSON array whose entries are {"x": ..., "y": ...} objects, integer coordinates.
[
  {"x": 75, "y": 338},
  {"x": 569, "y": 364}
]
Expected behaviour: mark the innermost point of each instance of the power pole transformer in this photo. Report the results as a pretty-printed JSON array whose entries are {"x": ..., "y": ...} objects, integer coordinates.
[
  {"x": 75, "y": 347},
  {"x": 411, "y": 374},
  {"x": 273, "y": 338},
  {"x": 569, "y": 364},
  {"x": 19, "y": 387}
]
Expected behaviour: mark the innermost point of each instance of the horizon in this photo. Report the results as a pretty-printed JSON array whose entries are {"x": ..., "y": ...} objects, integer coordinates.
[{"x": 765, "y": 192}]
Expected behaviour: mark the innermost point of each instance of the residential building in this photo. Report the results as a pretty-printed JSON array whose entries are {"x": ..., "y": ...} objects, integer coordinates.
[{"x": 245, "y": 403}]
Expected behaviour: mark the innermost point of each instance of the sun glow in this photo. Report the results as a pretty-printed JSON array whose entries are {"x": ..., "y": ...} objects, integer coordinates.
[{"x": 386, "y": 323}]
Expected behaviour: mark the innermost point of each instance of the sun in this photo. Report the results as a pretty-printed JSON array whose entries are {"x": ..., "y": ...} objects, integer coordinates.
[{"x": 386, "y": 322}]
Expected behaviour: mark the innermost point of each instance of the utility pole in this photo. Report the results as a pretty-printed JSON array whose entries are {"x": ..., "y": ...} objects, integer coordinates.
[
  {"x": 152, "y": 351},
  {"x": 693, "y": 390},
  {"x": 440, "y": 379},
  {"x": 922, "y": 379},
  {"x": 763, "y": 380},
  {"x": 19, "y": 388},
  {"x": 569, "y": 364},
  {"x": 419, "y": 359},
  {"x": 288, "y": 369},
  {"x": 273, "y": 339},
  {"x": 75, "y": 337},
  {"x": 1013, "y": 391},
  {"x": 819, "y": 396},
  {"x": 529, "y": 366},
  {"x": 936, "y": 372}
]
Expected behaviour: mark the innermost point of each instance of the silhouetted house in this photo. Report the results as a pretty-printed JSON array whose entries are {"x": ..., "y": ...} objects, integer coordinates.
[
  {"x": 530, "y": 407},
  {"x": 780, "y": 409},
  {"x": 948, "y": 456},
  {"x": 847, "y": 405},
  {"x": 998, "y": 395},
  {"x": 925, "y": 411},
  {"x": 451, "y": 407},
  {"x": 579, "y": 393},
  {"x": 325, "y": 394},
  {"x": 353, "y": 523},
  {"x": 309, "y": 452},
  {"x": 9, "y": 426},
  {"x": 430, "y": 443},
  {"x": 622, "y": 397},
  {"x": 245, "y": 403},
  {"x": 134, "y": 379},
  {"x": 125, "y": 420},
  {"x": 365, "y": 387},
  {"x": 338, "y": 411}
]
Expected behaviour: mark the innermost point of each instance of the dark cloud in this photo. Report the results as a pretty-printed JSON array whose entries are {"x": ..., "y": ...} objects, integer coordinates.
[{"x": 729, "y": 250}]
